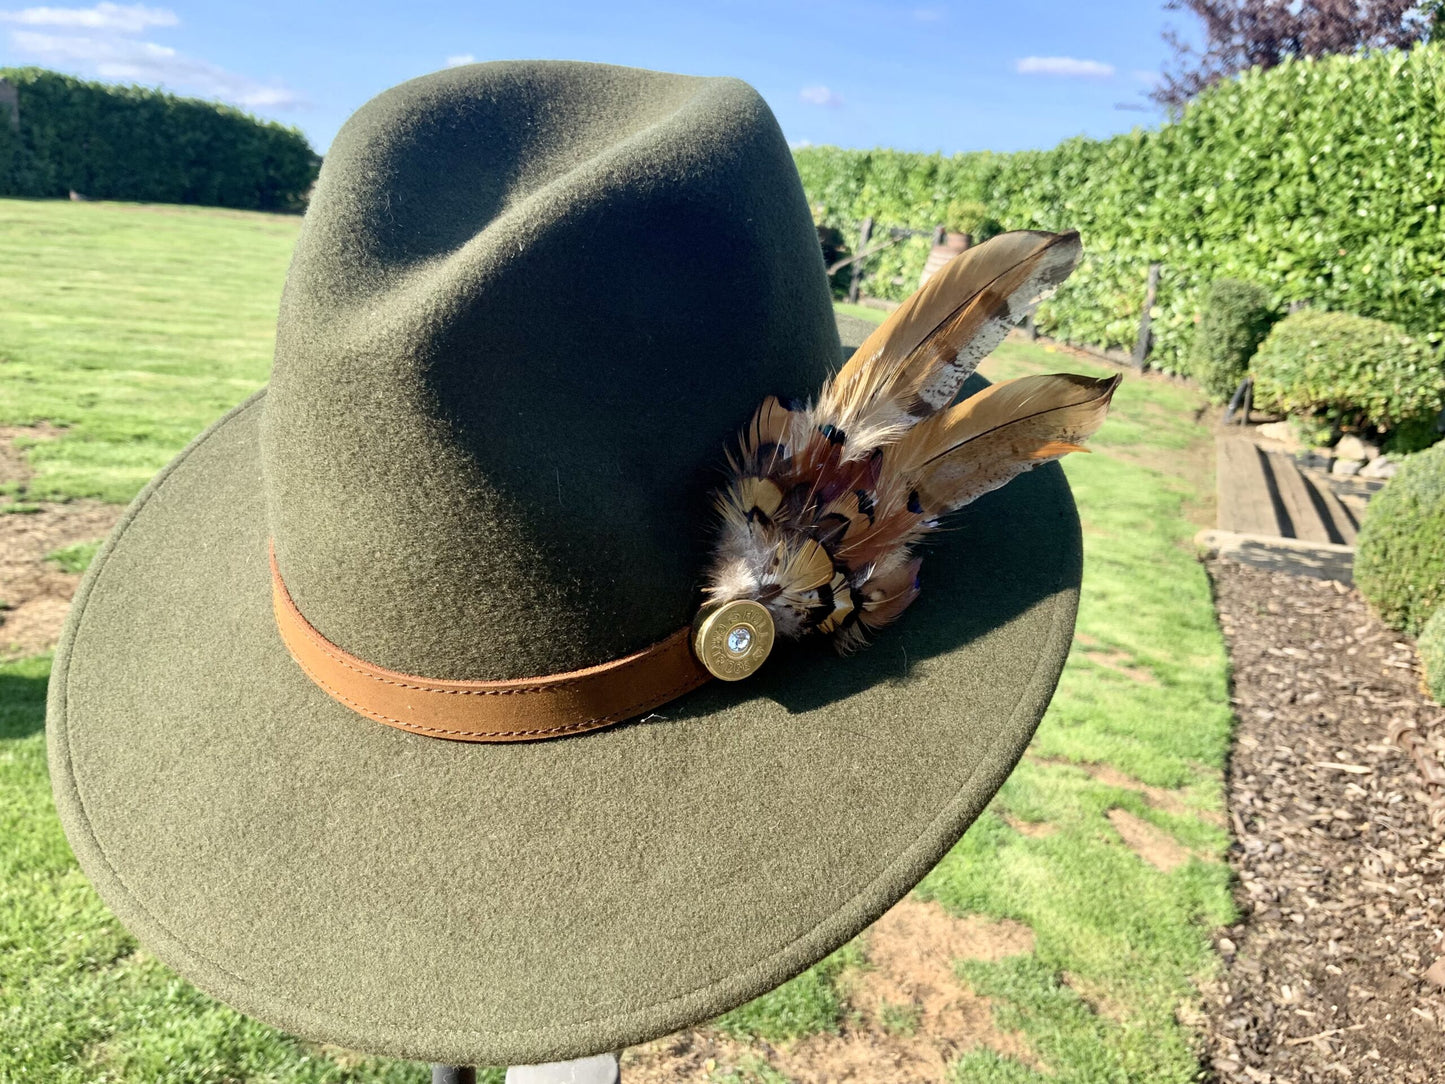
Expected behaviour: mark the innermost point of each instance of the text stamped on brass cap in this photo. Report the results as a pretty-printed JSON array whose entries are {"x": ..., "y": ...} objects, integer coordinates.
[{"x": 733, "y": 639}]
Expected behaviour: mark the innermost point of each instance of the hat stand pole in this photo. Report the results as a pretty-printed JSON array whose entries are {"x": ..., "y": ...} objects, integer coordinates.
[{"x": 598, "y": 1069}]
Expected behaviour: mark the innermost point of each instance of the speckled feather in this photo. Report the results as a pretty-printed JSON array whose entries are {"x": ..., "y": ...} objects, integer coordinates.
[{"x": 825, "y": 501}]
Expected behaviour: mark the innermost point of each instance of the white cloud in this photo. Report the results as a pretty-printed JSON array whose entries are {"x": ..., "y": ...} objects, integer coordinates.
[
  {"x": 460, "y": 59},
  {"x": 821, "y": 96},
  {"x": 105, "y": 51},
  {"x": 929, "y": 15},
  {"x": 1064, "y": 65},
  {"x": 800, "y": 144},
  {"x": 123, "y": 18},
  {"x": 265, "y": 96}
]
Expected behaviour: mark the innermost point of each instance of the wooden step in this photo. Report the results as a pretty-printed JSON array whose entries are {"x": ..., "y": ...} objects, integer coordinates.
[
  {"x": 1318, "y": 560},
  {"x": 1299, "y": 514},
  {"x": 1266, "y": 495},
  {"x": 1245, "y": 502},
  {"x": 1354, "y": 506},
  {"x": 1315, "y": 508},
  {"x": 1342, "y": 520}
]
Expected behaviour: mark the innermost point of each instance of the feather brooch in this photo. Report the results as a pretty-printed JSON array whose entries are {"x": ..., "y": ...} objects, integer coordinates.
[{"x": 825, "y": 501}]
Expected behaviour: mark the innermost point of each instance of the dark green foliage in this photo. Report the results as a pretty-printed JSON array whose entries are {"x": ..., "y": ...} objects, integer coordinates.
[
  {"x": 1347, "y": 370},
  {"x": 1400, "y": 556},
  {"x": 1414, "y": 435},
  {"x": 1431, "y": 646},
  {"x": 972, "y": 217},
  {"x": 1237, "y": 317},
  {"x": 1319, "y": 180},
  {"x": 1313, "y": 432},
  {"x": 130, "y": 143}
]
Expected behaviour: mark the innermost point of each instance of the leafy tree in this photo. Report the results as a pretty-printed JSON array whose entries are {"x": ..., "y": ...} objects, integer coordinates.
[{"x": 1241, "y": 34}]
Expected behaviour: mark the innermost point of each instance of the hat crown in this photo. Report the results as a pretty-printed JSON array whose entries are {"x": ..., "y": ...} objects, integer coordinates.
[{"x": 529, "y": 305}]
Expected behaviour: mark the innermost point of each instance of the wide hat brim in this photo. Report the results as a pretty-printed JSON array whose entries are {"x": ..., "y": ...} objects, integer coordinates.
[{"x": 513, "y": 904}]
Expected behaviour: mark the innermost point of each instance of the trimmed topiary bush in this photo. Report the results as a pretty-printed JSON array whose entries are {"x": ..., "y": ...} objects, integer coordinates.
[
  {"x": 1431, "y": 646},
  {"x": 1347, "y": 370},
  {"x": 1237, "y": 317},
  {"x": 1400, "y": 554}
]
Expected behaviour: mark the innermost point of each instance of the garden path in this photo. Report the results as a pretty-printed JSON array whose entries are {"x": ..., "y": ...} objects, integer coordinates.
[{"x": 1336, "y": 969}]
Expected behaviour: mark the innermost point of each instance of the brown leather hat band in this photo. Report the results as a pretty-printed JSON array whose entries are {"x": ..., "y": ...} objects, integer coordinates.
[{"x": 528, "y": 709}]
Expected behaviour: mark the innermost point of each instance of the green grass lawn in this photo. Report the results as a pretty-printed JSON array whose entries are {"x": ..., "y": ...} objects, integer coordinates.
[{"x": 136, "y": 326}]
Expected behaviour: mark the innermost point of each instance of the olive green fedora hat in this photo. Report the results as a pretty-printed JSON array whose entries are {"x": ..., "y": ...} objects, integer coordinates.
[{"x": 529, "y": 306}]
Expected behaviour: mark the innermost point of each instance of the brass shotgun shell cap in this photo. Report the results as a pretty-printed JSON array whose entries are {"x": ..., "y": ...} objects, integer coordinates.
[{"x": 733, "y": 638}]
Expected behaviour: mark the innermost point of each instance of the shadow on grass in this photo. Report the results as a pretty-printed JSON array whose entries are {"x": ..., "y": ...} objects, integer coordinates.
[{"x": 22, "y": 697}]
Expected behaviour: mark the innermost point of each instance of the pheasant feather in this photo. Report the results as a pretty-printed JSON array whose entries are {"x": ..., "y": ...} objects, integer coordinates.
[{"x": 826, "y": 501}]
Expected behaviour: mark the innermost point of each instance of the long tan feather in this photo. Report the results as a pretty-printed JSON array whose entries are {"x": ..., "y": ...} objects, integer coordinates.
[
  {"x": 825, "y": 503},
  {"x": 957, "y": 456},
  {"x": 915, "y": 362}
]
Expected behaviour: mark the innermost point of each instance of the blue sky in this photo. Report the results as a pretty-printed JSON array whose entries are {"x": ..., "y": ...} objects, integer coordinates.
[{"x": 929, "y": 75}]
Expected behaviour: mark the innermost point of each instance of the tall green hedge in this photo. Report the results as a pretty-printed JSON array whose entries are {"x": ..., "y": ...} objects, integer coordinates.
[
  {"x": 129, "y": 143},
  {"x": 1321, "y": 180}
]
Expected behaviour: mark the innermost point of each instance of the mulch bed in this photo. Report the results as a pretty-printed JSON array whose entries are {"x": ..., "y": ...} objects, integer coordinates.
[{"x": 1339, "y": 868}]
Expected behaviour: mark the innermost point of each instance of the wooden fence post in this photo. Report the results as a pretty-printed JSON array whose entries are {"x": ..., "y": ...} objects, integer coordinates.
[
  {"x": 856, "y": 281},
  {"x": 1141, "y": 347}
]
